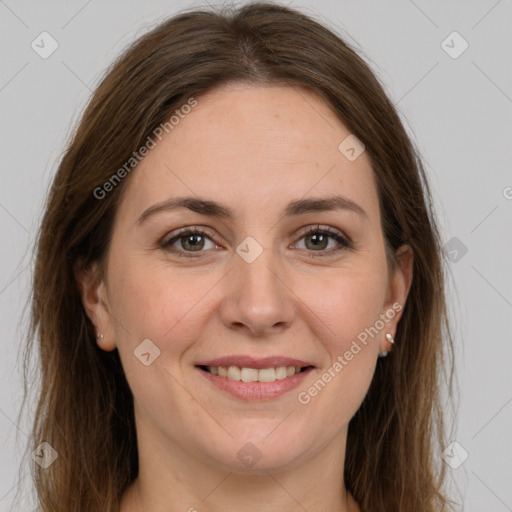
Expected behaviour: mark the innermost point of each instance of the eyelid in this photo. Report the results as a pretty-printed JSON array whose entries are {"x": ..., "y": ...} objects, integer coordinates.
[
  {"x": 333, "y": 232},
  {"x": 199, "y": 230}
]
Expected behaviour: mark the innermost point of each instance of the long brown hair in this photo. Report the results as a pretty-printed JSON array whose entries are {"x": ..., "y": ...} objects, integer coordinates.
[{"x": 85, "y": 406}]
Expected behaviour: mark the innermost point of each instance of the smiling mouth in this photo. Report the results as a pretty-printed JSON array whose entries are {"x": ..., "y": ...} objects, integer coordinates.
[{"x": 271, "y": 374}]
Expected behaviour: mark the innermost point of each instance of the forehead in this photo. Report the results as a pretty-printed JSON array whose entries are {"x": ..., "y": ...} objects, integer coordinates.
[{"x": 253, "y": 146}]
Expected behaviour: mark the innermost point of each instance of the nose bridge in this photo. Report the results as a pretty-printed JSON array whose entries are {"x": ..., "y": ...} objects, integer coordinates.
[
  {"x": 261, "y": 274},
  {"x": 259, "y": 297}
]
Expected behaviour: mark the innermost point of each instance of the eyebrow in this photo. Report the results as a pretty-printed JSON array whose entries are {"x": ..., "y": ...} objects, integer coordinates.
[{"x": 215, "y": 209}]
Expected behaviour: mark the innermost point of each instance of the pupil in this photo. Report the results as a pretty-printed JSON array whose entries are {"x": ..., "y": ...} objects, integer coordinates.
[
  {"x": 318, "y": 242},
  {"x": 192, "y": 237}
]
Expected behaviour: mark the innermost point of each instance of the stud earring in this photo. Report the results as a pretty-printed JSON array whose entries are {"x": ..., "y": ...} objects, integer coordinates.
[
  {"x": 384, "y": 353},
  {"x": 99, "y": 336}
]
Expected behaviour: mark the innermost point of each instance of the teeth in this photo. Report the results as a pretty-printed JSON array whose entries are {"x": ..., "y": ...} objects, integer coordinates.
[
  {"x": 281, "y": 372},
  {"x": 267, "y": 375},
  {"x": 249, "y": 374},
  {"x": 234, "y": 373},
  {"x": 253, "y": 374}
]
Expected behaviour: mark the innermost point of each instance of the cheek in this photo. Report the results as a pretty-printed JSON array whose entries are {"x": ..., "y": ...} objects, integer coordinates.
[
  {"x": 152, "y": 302},
  {"x": 352, "y": 307},
  {"x": 350, "y": 311}
]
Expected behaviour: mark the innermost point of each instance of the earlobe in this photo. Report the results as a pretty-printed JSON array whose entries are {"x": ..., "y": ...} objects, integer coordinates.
[{"x": 93, "y": 295}]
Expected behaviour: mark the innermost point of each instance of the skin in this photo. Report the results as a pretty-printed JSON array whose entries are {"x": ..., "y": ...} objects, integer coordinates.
[{"x": 254, "y": 149}]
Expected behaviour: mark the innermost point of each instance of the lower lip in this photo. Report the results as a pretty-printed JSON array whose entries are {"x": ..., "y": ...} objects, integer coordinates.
[{"x": 256, "y": 390}]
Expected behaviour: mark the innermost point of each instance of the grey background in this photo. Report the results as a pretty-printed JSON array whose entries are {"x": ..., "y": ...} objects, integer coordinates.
[{"x": 458, "y": 112}]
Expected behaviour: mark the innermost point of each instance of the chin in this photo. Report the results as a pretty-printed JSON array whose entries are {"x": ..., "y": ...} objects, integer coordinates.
[{"x": 261, "y": 452}]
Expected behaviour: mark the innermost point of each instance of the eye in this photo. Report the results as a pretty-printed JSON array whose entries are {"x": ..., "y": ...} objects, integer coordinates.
[
  {"x": 317, "y": 240},
  {"x": 193, "y": 240},
  {"x": 188, "y": 240}
]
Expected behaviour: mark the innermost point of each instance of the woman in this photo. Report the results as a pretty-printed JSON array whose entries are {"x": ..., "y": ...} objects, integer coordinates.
[{"x": 238, "y": 291}]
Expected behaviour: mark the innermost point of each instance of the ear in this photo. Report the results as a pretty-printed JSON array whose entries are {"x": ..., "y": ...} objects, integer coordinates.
[
  {"x": 397, "y": 292},
  {"x": 94, "y": 299}
]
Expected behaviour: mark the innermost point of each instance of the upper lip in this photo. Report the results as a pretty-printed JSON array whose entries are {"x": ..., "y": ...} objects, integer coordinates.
[{"x": 244, "y": 361}]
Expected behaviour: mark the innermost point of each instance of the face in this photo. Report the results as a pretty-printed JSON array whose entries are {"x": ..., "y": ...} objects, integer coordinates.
[{"x": 264, "y": 282}]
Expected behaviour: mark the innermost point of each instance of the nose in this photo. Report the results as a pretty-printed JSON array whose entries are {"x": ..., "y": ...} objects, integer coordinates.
[{"x": 257, "y": 298}]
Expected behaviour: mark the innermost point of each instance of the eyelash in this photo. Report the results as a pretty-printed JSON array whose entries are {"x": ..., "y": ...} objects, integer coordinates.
[{"x": 344, "y": 242}]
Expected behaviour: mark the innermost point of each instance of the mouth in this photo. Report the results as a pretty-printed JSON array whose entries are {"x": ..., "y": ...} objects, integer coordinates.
[
  {"x": 246, "y": 374},
  {"x": 248, "y": 378}
]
